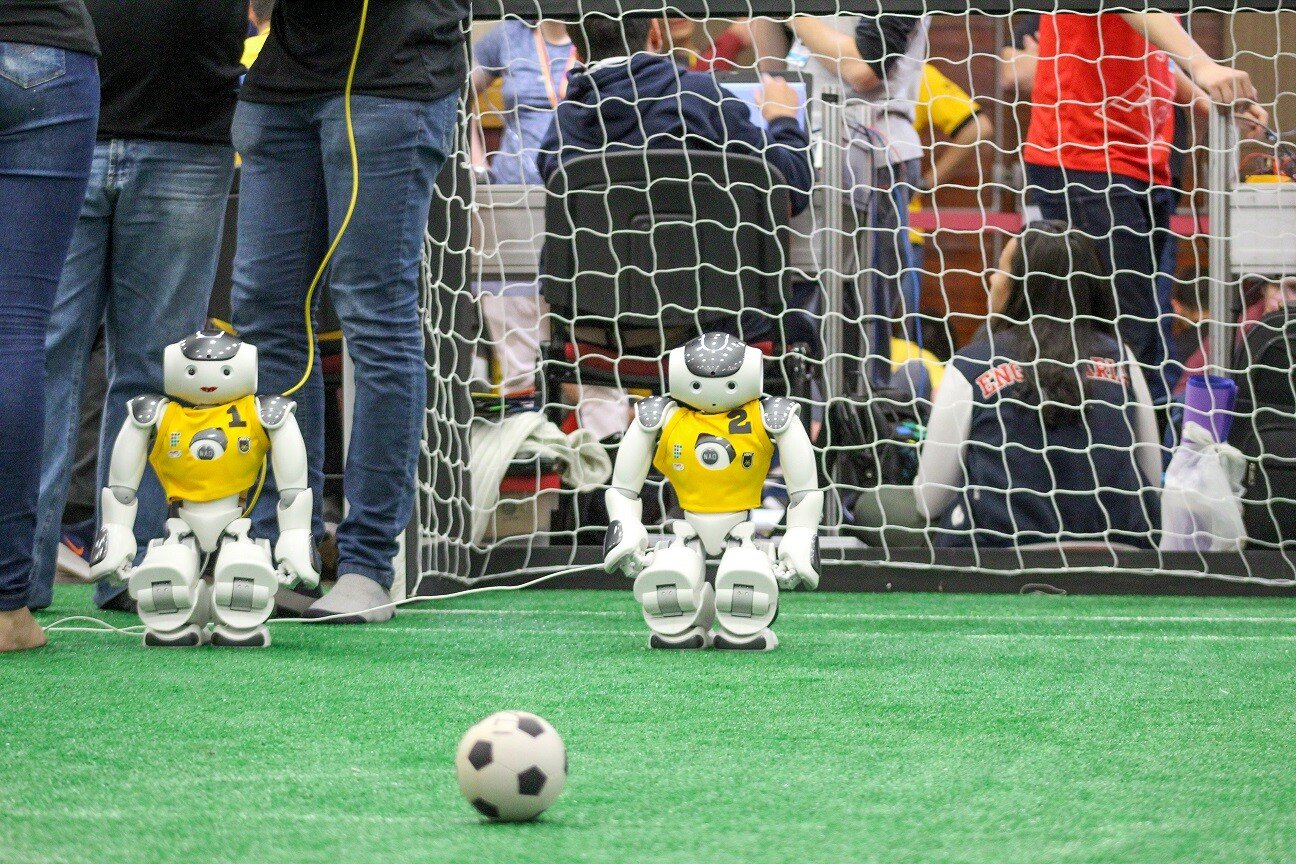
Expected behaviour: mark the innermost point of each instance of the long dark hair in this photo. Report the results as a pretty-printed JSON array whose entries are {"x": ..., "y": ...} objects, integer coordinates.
[{"x": 1061, "y": 299}]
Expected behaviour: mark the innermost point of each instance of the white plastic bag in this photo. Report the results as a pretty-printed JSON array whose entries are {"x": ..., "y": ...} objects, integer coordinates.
[{"x": 1201, "y": 506}]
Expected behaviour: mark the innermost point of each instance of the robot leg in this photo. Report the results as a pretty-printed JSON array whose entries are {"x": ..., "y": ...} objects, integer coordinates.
[
  {"x": 678, "y": 604},
  {"x": 746, "y": 600},
  {"x": 174, "y": 603},
  {"x": 243, "y": 589}
]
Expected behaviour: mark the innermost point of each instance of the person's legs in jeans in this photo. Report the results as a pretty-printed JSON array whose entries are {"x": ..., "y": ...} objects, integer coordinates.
[
  {"x": 283, "y": 228},
  {"x": 49, "y": 105},
  {"x": 1116, "y": 212},
  {"x": 74, "y": 325},
  {"x": 163, "y": 207},
  {"x": 374, "y": 281}
]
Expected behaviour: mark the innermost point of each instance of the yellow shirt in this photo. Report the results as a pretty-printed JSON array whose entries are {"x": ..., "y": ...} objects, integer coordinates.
[
  {"x": 252, "y": 48},
  {"x": 717, "y": 463},
  {"x": 944, "y": 105},
  {"x": 205, "y": 454}
]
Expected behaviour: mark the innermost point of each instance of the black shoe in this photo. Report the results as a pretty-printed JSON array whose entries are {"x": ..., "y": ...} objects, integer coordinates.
[
  {"x": 258, "y": 638},
  {"x": 764, "y": 641},
  {"x": 695, "y": 640}
]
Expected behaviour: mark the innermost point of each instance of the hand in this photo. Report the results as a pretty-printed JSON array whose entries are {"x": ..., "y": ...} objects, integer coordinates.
[
  {"x": 114, "y": 553},
  {"x": 295, "y": 555},
  {"x": 626, "y": 545},
  {"x": 1223, "y": 85},
  {"x": 1030, "y": 45},
  {"x": 798, "y": 552},
  {"x": 776, "y": 98},
  {"x": 1252, "y": 120}
]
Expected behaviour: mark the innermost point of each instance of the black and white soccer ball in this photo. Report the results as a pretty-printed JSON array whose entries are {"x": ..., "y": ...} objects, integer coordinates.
[{"x": 511, "y": 766}]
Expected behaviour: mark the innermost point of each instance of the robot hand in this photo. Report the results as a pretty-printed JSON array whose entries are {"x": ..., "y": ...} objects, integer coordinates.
[
  {"x": 295, "y": 555},
  {"x": 798, "y": 553},
  {"x": 114, "y": 553},
  {"x": 625, "y": 548}
]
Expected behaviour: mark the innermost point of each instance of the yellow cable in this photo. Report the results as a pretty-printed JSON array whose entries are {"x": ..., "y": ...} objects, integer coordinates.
[
  {"x": 346, "y": 221},
  {"x": 337, "y": 239}
]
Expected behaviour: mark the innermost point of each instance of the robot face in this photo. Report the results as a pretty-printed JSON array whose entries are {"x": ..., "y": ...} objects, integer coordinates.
[
  {"x": 715, "y": 373},
  {"x": 210, "y": 368}
]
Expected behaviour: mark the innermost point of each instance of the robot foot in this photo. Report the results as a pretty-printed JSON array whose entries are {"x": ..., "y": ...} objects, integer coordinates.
[
  {"x": 693, "y": 639},
  {"x": 226, "y": 637},
  {"x": 765, "y": 640},
  {"x": 186, "y": 637}
]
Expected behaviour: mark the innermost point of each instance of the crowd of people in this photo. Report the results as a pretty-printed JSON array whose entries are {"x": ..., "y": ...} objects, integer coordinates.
[{"x": 118, "y": 135}]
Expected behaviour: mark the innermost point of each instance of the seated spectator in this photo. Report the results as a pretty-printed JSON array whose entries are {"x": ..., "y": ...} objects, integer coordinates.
[
  {"x": 629, "y": 96},
  {"x": 1260, "y": 296},
  {"x": 532, "y": 63},
  {"x": 1043, "y": 429}
]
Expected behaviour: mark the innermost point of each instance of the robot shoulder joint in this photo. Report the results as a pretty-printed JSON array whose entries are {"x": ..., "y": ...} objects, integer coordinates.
[
  {"x": 653, "y": 411},
  {"x": 146, "y": 410},
  {"x": 778, "y": 414},
  {"x": 274, "y": 410}
]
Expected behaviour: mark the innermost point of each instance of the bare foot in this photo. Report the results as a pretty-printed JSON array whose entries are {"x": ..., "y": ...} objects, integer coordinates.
[{"x": 19, "y": 631}]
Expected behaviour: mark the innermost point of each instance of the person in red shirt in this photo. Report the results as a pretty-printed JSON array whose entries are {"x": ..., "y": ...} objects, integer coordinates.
[{"x": 1102, "y": 123}]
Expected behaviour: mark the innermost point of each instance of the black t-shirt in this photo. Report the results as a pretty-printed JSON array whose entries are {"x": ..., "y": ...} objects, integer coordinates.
[
  {"x": 57, "y": 23},
  {"x": 412, "y": 49},
  {"x": 170, "y": 69}
]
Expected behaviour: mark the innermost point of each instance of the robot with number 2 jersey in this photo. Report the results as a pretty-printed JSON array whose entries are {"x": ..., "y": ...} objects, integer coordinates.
[
  {"x": 207, "y": 441},
  {"x": 714, "y": 438}
]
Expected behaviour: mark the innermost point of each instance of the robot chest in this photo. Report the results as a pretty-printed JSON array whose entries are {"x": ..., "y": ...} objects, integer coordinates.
[
  {"x": 707, "y": 454},
  {"x": 207, "y": 446}
]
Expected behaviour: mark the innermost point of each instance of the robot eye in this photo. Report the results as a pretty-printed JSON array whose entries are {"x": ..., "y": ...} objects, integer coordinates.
[
  {"x": 191, "y": 371},
  {"x": 227, "y": 371},
  {"x": 733, "y": 385},
  {"x": 697, "y": 386}
]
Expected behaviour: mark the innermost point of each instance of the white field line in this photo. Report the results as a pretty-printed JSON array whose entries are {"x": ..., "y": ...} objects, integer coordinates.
[
  {"x": 854, "y": 634},
  {"x": 903, "y": 616}
]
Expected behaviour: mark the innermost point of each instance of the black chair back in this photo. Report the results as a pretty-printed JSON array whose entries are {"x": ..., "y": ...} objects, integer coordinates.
[{"x": 668, "y": 241}]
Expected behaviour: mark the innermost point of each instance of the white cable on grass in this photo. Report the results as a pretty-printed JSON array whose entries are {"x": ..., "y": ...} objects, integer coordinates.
[{"x": 138, "y": 629}]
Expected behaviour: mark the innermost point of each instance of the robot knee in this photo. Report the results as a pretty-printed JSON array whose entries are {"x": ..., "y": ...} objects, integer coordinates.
[
  {"x": 244, "y": 584},
  {"x": 746, "y": 592},
  {"x": 674, "y": 593},
  {"x": 166, "y": 587}
]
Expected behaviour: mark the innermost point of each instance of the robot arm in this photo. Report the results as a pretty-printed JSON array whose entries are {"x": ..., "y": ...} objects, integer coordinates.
[
  {"x": 295, "y": 550},
  {"x": 115, "y": 547},
  {"x": 626, "y": 543},
  {"x": 798, "y": 551}
]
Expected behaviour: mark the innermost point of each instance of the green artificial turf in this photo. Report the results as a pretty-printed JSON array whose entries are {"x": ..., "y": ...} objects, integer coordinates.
[{"x": 889, "y": 728}]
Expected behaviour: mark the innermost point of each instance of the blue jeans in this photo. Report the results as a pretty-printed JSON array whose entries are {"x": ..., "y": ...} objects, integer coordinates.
[
  {"x": 49, "y": 107},
  {"x": 142, "y": 261},
  {"x": 1129, "y": 223},
  {"x": 293, "y": 196}
]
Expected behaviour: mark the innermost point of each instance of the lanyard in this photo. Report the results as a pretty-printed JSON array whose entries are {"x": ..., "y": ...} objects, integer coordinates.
[{"x": 542, "y": 53}]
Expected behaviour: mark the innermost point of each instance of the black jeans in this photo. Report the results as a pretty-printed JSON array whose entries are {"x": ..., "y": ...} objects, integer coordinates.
[{"x": 1130, "y": 224}]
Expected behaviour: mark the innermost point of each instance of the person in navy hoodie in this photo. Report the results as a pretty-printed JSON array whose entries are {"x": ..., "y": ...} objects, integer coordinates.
[
  {"x": 627, "y": 96},
  {"x": 1043, "y": 429}
]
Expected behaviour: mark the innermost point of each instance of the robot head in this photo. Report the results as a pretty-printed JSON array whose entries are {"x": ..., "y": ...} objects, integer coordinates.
[
  {"x": 209, "y": 368},
  {"x": 715, "y": 373}
]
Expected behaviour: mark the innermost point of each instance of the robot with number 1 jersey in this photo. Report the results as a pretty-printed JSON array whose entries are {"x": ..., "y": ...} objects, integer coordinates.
[
  {"x": 207, "y": 441},
  {"x": 714, "y": 438}
]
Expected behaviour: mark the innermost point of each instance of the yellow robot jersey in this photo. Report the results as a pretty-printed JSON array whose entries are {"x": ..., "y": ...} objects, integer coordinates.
[
  {"x": 716, "y": 462},
  {"x": 205, "y": 454}
]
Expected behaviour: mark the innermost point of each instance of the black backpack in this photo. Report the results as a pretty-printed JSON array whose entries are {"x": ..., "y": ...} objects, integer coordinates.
[
  {"x": 874, "y": 442},
  {"x": 1265, "y": 428}
]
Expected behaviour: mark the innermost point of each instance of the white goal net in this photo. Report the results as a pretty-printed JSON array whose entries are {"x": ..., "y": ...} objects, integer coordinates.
[{"x": 1001, "y": 262}]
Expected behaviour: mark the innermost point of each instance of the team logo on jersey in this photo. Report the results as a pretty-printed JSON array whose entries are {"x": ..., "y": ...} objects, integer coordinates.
[
  {"x": 677, "y": 451},
  {"x": 245, "y": 445},
  {"x": 174, "y": 440},
  {"x": 1001, "y": 376},
  {"x": 748, "y": 458}
]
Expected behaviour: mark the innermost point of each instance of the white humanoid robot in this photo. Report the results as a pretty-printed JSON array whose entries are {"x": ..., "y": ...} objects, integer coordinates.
[
  {"x": 207, "y": 441},
  {"x": 714, "y": 438}
]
